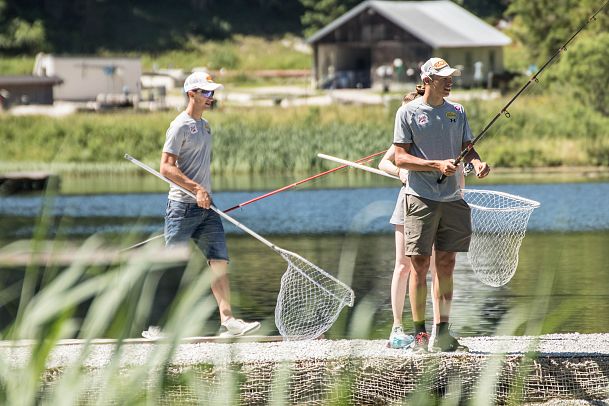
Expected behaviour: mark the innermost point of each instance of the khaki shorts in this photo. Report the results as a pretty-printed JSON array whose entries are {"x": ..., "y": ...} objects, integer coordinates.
[{"x": 447, "y": 225}]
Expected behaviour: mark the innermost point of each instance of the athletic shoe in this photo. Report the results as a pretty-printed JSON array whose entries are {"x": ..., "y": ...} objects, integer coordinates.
[
  {"x": 445, "y": 343},
  {"x": 398, "y": 339},
  {"x": 153, "y": 333},
  {"x": 421, "y": 342},
  {"x": 237, "y": 327}
]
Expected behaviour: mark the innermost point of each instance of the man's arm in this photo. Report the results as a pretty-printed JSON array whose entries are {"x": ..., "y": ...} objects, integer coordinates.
[
  {"x": 482, "y": 169},
  {"x": 170, "y": 170},
  {"x": 403, "y": 159}
]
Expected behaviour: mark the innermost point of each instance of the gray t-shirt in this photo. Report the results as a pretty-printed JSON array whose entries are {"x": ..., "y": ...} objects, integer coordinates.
[
  {"x": 435, "y": 133},
  {"x": 190, "y": 141}
]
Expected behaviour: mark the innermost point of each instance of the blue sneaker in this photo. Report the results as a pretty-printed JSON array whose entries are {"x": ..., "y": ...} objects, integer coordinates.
[{"x": 398, "y": 339}]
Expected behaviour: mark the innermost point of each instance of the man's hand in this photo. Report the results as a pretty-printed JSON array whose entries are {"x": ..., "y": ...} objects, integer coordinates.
[
  {"x": 447, "y": 167},
  {"x": 203, "y": 199},
  {"x": 403, "y": 175},
  {"x": 482, "y": 169}
]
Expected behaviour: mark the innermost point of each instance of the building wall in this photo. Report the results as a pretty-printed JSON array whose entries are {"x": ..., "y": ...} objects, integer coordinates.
[
  {"x": 371, "y": 36},
  {"x": 27, "y": 94},
  {"x": 85, "y": 78},
  {"x": 490, "y": 60}
]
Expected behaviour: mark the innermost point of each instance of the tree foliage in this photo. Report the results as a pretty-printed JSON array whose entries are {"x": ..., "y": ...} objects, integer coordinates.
[
  {"x": 544, "y": 25},
  {"x": 94, "y": 26},
  {"x": 584, "y": 67},
  {"x": 489, "y": 10},
  {"x": 319, "y": 13},
  {"x": 18, "y": 35}
]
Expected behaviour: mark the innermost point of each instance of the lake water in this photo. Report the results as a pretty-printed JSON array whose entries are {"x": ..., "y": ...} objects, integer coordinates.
[{"x": 562, "y": 273}]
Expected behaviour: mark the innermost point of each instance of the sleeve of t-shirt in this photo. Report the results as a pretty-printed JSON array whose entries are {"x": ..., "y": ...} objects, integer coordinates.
[
  {"x": 174, "y": 139},
  {"x": 467, "y": 131},
  {"x": 402, "y": 133}
]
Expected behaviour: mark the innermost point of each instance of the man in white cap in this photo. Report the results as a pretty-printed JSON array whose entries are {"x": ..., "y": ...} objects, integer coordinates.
[
  {"x": 429, "y": 133},
  {"x": 186, "y": 161}
]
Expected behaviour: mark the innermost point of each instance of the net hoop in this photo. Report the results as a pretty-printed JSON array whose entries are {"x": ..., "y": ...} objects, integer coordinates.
[
  {"x": 499, "y": 223},
  {"x": 520, "y": 202},
  {"x": 309, "y": 300}
]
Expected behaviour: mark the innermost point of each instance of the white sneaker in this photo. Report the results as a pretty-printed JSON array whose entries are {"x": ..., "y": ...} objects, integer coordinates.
[
  {"x": 237, "y": 327},
  {"x": 399, "y": 339},
  {"x": 153, "y": 333}
]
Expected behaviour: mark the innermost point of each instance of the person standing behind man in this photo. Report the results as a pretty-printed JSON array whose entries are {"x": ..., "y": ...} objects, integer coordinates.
[
  {"x": 186, "y": 160},
  {"x": 429, "y": 133}
]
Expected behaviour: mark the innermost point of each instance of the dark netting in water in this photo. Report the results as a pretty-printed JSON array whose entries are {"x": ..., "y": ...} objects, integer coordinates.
[{"x": 499, "y": 223}]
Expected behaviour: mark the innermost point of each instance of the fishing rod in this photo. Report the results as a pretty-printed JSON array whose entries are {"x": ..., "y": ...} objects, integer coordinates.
[
  {"x": 364, "y": 159},
  {"x": 271, "y": 193},
  {"x": 532, "y": 79}
]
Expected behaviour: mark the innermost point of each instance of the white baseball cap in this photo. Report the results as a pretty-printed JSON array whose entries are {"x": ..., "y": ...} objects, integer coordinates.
[
  {"x": 439, "y": 67},
  {"x": 200, "y": 80}
]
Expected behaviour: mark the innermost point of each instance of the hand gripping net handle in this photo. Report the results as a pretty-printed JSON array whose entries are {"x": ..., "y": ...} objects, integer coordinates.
[{"x": 499, "y": 222}]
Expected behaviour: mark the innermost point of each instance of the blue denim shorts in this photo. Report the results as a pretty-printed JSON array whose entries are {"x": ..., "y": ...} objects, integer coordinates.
[{"x": 184, "y": 221}]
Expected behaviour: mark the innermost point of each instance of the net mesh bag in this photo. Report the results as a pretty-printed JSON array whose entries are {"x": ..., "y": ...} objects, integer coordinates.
[
  {"x": 499, "y": 222},
  {"x": 309, "y": 299}
]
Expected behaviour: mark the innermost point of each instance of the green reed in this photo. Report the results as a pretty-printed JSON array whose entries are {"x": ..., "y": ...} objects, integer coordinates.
[{"x": 542, "y": 131}]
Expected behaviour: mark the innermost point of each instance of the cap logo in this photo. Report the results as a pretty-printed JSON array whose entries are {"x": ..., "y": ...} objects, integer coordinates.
[
  {"x": 440, "y": 64},
  {"x": 208, "y": 78}
]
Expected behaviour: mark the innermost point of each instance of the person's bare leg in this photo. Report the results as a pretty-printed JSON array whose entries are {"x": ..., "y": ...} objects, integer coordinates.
[
  {"x": 418, "y": 286},
  {"x": 443, "y": 285},
  {"x": 220, "y": 287},
  {"x": 399, "y": 281}
]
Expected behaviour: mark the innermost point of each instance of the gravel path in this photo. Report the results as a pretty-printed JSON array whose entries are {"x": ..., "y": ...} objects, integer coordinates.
[{"x": 138, "y": 352}]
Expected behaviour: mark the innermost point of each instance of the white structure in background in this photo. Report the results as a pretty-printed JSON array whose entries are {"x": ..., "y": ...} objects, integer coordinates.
[
  {"x": 86, "y": 78},
  {"x": 168, "y": 78}
]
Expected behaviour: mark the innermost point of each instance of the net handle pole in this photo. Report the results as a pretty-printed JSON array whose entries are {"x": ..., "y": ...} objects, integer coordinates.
[
  {"x": 532, "y": 79},
  {"x": 364, "y": 159},
  {"x": 358, "y": 166},
  {"x": 189, "y": 193}
]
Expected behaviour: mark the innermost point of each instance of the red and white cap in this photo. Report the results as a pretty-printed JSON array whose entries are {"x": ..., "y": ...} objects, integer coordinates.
[
  {"x": 438, "y": 67},
  {"x": 200, "y": 80}
]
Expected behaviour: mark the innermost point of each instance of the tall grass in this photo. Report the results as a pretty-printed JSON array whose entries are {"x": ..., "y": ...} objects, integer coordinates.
[
  {"x": 16, "y": 65},
  {"x": 542, "y": 131}
]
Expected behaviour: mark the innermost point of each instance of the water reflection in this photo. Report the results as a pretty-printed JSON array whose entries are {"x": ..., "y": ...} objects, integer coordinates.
[
  {"x": 345, "y": 231},
  {"x": 577, "y": 296},
  {"x": 564, "y": 207}
]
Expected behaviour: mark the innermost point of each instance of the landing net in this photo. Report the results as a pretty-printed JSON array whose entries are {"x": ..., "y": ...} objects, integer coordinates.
[
  {"x": 499, "y": 223},
  {"x": 309, "y": 299}
]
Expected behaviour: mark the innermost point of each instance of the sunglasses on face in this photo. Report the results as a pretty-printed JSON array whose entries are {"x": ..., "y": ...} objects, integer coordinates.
[{"x": 206, "y": 93}]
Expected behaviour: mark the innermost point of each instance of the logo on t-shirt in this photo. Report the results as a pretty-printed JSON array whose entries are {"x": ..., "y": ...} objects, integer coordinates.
[
  {"x": 193, "y": 128},
  {"x": 452, "y": 116},
  {"x": 422, "y": 119}
]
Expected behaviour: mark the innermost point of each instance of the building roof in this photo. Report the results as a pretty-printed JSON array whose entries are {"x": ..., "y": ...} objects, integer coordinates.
[
  {"x": 440, "y": 23},
  {"x": 29, "y": 80}
]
